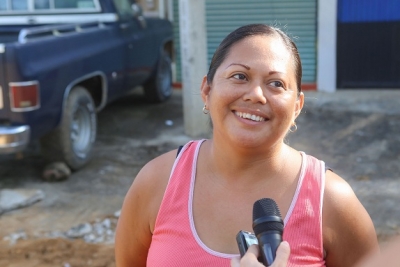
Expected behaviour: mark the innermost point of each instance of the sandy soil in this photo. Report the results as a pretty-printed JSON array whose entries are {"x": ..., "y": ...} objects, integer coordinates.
[{"x": 56, "y": 252}]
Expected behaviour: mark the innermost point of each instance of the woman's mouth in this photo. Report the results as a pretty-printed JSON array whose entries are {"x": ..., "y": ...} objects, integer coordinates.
[{"x": 249, "y": 116}]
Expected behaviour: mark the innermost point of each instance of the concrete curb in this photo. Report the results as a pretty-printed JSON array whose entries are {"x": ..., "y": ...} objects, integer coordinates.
[
  {"x": 362, "y": 101},
  {"x": 11, "y": 199}
]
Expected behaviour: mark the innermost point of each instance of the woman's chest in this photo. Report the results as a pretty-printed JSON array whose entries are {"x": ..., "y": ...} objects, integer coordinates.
[{"x": 218, "y": 215}]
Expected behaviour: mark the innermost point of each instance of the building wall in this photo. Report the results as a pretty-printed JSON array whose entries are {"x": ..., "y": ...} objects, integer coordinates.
[
  {"x": 326, "y": 45},
  {"x": 296, "y": 17},
  {"x": 355, "y": 42}
]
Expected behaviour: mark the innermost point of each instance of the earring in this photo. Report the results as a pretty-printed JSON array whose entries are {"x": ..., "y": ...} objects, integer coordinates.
[
  {"x": 205, "y": 110},
  {"x": 293, "y": 128}
]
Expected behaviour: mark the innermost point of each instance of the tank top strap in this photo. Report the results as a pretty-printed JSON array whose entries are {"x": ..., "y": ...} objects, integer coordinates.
[{"x": 303, "y": 229}]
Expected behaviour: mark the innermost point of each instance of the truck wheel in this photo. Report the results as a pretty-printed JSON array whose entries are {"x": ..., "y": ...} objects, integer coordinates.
[
  {"x": 159, "y": 87},
  {"x": 72, "y": 142}
]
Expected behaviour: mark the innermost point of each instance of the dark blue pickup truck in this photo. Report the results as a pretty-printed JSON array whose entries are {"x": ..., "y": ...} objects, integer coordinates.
[{"x": 61, "y": 61}]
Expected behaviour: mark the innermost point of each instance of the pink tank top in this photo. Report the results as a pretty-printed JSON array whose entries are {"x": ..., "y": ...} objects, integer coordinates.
[{"x": 175, "y": 241}]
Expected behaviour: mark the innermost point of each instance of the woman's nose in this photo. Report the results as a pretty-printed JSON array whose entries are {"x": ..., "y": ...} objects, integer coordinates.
[{"x": 255, "y": 94}]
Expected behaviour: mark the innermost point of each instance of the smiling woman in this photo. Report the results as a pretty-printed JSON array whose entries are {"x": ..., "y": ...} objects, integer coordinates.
[
  {"x": 186, "y": 209},
  {"x": 257, "y": 78}
]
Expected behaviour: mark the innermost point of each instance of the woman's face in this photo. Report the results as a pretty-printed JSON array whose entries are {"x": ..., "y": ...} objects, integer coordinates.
[{"x": 253, "y": 98}]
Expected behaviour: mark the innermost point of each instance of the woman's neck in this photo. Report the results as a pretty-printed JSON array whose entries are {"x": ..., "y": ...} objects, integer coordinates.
[{"x": 240, "y": 162}]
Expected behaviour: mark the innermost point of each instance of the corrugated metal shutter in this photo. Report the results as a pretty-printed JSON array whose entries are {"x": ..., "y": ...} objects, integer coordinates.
[{"x": 298, "y": 18}]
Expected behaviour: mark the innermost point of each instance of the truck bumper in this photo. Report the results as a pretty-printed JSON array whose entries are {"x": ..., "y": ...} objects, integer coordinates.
[{"x": 13, "y": 138}]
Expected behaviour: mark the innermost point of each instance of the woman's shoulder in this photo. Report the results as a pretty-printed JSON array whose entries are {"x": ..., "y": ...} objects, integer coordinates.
[
  {"x": 337, "y": 190},
  {"x": 346, "y": 223},
  {"x": 147, "y": 190},
  {"x": 154, "y": 175},
  {"x": 153, "y": 178},
  {"x": 340, "y": 201},
  {"x": 140, "y": 208}
]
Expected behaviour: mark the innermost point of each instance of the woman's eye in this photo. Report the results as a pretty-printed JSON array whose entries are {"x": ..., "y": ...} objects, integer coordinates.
[
  {"x": 239, "y": 76},
  {"x": 277, "y": 84}
]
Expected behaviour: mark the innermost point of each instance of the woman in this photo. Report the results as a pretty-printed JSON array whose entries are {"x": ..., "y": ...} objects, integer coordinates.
[{"x": 186, "y": 209}]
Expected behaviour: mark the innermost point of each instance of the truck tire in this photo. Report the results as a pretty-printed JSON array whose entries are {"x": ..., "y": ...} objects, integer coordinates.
[
  {"x": 159, "y": 87},
  {"x": 72, "y": 142}
]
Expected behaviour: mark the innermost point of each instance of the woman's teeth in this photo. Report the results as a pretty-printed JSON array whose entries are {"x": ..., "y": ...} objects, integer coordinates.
[{"x": 249, "y": 116}]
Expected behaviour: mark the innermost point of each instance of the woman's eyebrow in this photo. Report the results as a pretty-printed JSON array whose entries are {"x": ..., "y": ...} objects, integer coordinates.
[
  {"x": 248, "y": 68},
  {"x": 240, "y": 64},
  {"x": 276, "y": 72}
]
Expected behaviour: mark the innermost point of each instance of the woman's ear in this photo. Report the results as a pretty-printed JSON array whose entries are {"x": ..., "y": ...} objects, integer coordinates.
[
  {"x": 205, "y": 89},
  {"x": 299, "y": 105}
]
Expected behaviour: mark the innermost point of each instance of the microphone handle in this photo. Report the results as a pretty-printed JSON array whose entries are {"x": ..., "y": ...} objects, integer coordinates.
[{"x": 268, "y": 243}]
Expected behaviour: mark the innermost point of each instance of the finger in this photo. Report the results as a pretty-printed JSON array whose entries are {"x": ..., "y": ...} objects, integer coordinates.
[
  {"x": 282, "y": 255},
  {"x": 235, "y": 262},
  {"x": 250, "y": 258},
  {"x": 253, "y": 249}
]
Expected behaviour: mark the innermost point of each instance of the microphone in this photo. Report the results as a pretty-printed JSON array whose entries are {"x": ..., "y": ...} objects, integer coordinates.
[{"x": 268, "y": 228}]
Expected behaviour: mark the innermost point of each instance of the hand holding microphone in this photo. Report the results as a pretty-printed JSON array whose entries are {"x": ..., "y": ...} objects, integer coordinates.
[
  {"x": 268, "y": 228},
  {"x": 250, "y": 258}
]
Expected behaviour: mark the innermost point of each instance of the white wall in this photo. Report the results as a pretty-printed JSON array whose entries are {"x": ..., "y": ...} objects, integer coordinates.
[
  {"x": 192, "y": 26},
  {"x": 326, "y": 47}
]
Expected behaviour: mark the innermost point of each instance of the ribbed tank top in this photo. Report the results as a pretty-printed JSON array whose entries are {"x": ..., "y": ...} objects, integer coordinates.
[{"x": 175, "y": 242}]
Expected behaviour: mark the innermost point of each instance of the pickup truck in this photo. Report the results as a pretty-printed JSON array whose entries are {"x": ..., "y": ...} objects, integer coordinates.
[{"x": 62, "y": 61}]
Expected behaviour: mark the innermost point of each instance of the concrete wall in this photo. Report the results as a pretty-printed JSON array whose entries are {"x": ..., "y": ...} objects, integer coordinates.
[
  {"x": 326, "y": 47},
  {"x": 193, "y": 46}
]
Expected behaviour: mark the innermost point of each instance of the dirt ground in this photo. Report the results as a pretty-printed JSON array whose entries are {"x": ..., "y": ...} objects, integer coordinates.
[
  {"x": 56, "y": 252},
  {"x": 362, "y": 147}
]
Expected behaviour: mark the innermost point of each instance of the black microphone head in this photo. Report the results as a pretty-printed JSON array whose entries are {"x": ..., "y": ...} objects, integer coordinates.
[
  {"x": 265, "y": 207},
  {"x": 266, "y": 216}
]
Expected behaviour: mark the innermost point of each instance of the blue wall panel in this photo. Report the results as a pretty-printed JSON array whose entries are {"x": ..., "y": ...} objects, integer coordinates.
[{"x": 368, "y": 10}]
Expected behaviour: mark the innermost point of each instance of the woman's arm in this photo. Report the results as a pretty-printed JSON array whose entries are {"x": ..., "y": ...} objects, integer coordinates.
[
  {"x": 348, "y": 231},
  {"x": 139, "y": 212}
]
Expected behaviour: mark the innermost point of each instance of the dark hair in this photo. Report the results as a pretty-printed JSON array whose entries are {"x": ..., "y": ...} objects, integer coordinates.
[{"x": 253, "y": 30}]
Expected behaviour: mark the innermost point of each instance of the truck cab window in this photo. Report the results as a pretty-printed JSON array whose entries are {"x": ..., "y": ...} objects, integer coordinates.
[
  {"x": 42, "y": 4},
  {"x": 124, "y": 8},
  {"x": 73, "y": 4},
  {"x": 51, "y": 5},
  {"x": 19, "y": 5}
]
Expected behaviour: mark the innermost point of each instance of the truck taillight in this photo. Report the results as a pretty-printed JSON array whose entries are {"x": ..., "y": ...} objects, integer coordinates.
[{"x": 24, "y": 96}]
